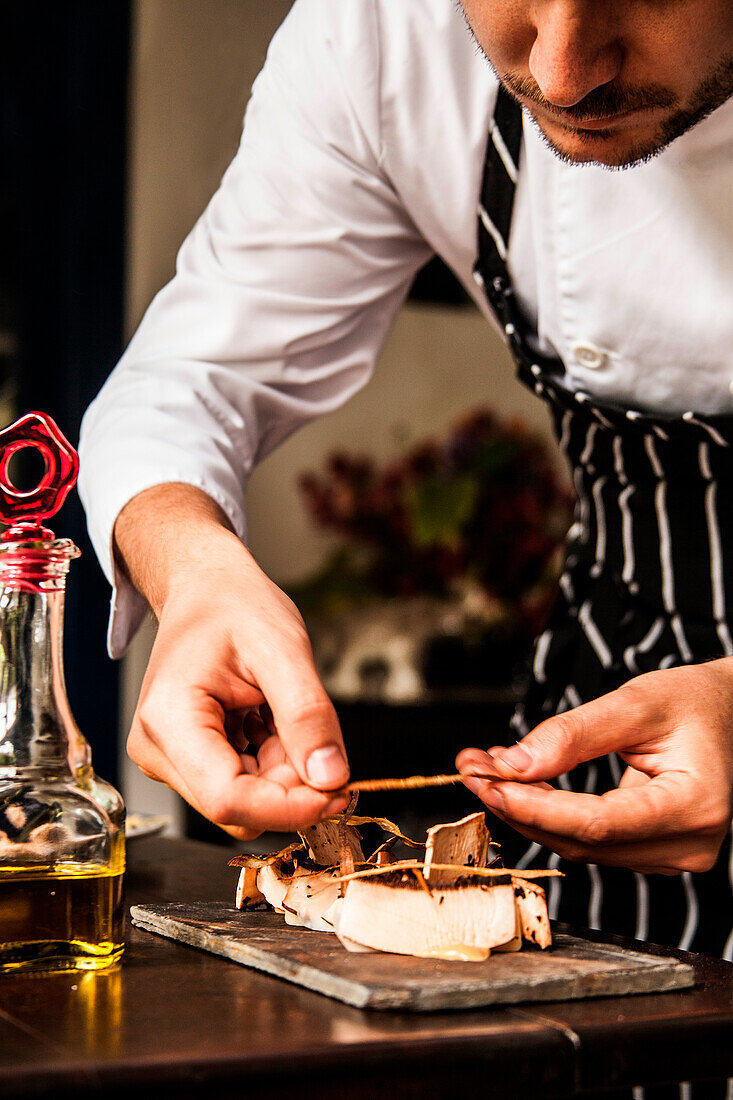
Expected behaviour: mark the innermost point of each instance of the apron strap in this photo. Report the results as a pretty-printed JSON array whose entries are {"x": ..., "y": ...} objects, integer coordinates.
[
  {"x": 498, "y": 188},
  {"x": 648, "y": 576},
  {"x": 495, "y": 211}
]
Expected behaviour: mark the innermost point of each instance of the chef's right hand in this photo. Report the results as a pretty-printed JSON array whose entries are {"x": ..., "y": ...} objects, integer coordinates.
[{"x": 231, "y": 666}]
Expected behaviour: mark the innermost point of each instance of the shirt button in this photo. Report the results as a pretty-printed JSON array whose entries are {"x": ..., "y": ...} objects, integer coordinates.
[{"x": 589, "y": 356}]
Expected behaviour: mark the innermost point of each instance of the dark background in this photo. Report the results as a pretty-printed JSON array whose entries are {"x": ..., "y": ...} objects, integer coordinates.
[{"x": 63, "y": 92}]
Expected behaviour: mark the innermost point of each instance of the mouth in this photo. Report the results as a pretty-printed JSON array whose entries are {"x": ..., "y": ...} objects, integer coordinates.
[
  {"x": 609, "y": 122},
  {"x": 600, "y": 124}
]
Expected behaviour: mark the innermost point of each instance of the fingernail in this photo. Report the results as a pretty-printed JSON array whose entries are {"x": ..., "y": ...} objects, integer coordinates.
[
  {"x": 335, "y": 806},
  {"x": 486, "y": 768},
  {"x": 326, "y": 767},
  {"x": 515, "y": 759}
]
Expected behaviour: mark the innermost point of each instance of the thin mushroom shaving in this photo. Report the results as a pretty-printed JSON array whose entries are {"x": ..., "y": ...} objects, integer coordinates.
[{"x": 449, "y": 905}]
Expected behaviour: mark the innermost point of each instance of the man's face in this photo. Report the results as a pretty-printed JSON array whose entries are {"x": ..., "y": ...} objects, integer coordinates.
[{"x": 610, "y": 82}]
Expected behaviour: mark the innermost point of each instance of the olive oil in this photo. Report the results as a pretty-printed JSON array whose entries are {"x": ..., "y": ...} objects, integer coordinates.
[{"x": 60, "y": 918}]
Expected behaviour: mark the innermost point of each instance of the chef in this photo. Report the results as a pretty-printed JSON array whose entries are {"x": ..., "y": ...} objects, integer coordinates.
[{"x": 572, "y": 162}]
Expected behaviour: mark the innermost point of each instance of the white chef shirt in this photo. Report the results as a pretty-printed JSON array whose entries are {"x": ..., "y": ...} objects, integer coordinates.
[{"x": 362, "y": 156}]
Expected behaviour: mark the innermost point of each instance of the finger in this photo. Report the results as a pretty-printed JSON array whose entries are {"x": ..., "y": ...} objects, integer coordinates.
[
  {"x": 612, "y": 723},
  {"x": 663, "y": 807},
  {"x": 271, "y": 754},
  {"x": 160, "y": 768},
  {"x": 157, "y": 766},
  {"x": 208, "y": 772},
  {"x": 632, "y": 777},
  {"x": 665, "y": 857},
  {"x": 235, "y": 729},
  {"x": 253, "y": 802},
  {"x": 255, "y": 729},
  {"x": 476, "y": 762},
  {"x": 305, "y": 719},
  {"x": 474, "y": 765},
  {"x": 154, "y": 764},
  {"x": 267, "y": 718}
]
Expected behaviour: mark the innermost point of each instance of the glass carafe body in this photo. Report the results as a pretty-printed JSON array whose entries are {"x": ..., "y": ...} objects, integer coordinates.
[{"x": 62, "y": 842}]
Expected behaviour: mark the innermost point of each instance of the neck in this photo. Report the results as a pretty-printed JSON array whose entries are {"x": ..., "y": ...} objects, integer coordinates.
[{"x": 33, "y": 704}]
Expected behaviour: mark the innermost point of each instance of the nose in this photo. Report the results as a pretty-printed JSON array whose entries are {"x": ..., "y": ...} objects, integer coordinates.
[{"x": 576, "y": 49}]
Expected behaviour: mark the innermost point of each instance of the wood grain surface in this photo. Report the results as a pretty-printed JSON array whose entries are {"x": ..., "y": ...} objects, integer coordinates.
[{"x": 175, "y": 1023}]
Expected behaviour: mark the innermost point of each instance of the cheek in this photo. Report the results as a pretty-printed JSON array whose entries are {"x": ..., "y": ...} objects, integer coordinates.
[
  {"x": 708, "y": 39},
  {"x": 681, "y": 50},
  {"x": 503, "y": 31}
]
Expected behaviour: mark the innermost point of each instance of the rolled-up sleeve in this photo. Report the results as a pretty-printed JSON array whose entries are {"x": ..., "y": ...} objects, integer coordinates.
[{"x": 283, "y": 293}]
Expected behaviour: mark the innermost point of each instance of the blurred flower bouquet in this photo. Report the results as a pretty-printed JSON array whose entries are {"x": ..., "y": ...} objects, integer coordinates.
[{"x": 450, "y": 553}]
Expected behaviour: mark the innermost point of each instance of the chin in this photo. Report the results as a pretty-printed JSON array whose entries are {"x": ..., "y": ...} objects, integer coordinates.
[{"x": 612, "y": 148}]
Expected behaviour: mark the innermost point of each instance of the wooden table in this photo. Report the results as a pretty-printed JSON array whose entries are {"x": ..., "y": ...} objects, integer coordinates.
[{"x": 175, "y": 1022}]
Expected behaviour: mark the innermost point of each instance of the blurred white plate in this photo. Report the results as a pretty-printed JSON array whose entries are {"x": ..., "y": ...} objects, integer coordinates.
[{"x": 139, "y": 825}]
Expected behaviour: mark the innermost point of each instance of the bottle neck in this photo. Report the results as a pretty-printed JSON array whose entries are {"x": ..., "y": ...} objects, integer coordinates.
[{"x": 36, "y": 725}]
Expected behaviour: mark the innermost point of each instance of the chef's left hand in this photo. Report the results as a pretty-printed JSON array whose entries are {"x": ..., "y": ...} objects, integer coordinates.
[{"x": 673, "y": 806}]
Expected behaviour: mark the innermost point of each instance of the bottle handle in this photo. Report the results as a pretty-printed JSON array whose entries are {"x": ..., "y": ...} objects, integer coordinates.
[{"x": 30, "y": 507}]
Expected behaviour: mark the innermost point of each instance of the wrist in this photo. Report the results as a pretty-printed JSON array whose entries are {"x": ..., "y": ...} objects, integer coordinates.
[{"x": 168, "y": 537}]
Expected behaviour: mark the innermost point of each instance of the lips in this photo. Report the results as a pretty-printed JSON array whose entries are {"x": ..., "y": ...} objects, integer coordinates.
[
  {"x": 610, "y": 122},
  {"x": 623, "y": 121},
  {"x": 606, "y": 122}
]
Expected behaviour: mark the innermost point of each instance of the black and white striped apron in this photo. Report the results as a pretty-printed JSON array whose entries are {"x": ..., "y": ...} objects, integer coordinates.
[{"x": 647, "y": 580}]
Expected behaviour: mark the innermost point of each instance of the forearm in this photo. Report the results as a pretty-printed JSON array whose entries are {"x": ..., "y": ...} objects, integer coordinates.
[
  {"x": 165, "y": 535},
  {"x": 228, "y": 642}
]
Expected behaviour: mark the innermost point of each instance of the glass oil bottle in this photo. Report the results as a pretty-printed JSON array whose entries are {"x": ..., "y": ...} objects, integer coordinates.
[{"x": 62, "y": 843}]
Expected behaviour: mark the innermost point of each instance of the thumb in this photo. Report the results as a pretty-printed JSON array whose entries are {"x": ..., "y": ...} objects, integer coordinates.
[
  {"x": 306, "y": 722},
  {"x": 559, "y": 744}
]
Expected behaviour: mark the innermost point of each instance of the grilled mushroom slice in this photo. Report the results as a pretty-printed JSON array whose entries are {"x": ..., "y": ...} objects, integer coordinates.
[
  {"x": 465, "y": 843},
  {"x": 449, "y": 905},
  {"x": 532, "y": 909},
  {"x": 248, "y": 892},
  {"x": 394, "y": 913},
  {"x": 310, "y": 897},
  {"x": 327, "y": 840}
]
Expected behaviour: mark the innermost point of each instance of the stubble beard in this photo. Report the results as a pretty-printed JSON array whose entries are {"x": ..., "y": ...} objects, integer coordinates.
[{"x": 713, "y": 91}]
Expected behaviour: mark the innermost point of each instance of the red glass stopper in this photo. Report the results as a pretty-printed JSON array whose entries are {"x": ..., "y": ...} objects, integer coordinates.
[{"x": 29, "y": 507}]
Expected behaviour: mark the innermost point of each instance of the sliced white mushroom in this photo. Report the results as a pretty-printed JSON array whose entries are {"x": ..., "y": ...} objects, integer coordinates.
[
  {"x": 464, "y": 843},
  {"x": 532, "y": 908},
  {"x": 248, "y": 893},
  {"x": 355, "y": 948},
  {"x": 398, "y": 916},
  {"x": 273, "y": 881},
  {"x": 310, "y": 897},
  {"x": 514, "y": 944},
  {"x": 426, "y": 910},
  {"x": 328, "y": 839}
]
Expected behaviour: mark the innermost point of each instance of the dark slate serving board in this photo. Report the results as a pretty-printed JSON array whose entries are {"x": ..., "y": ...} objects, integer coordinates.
[{"x": 573, "y": 968}]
